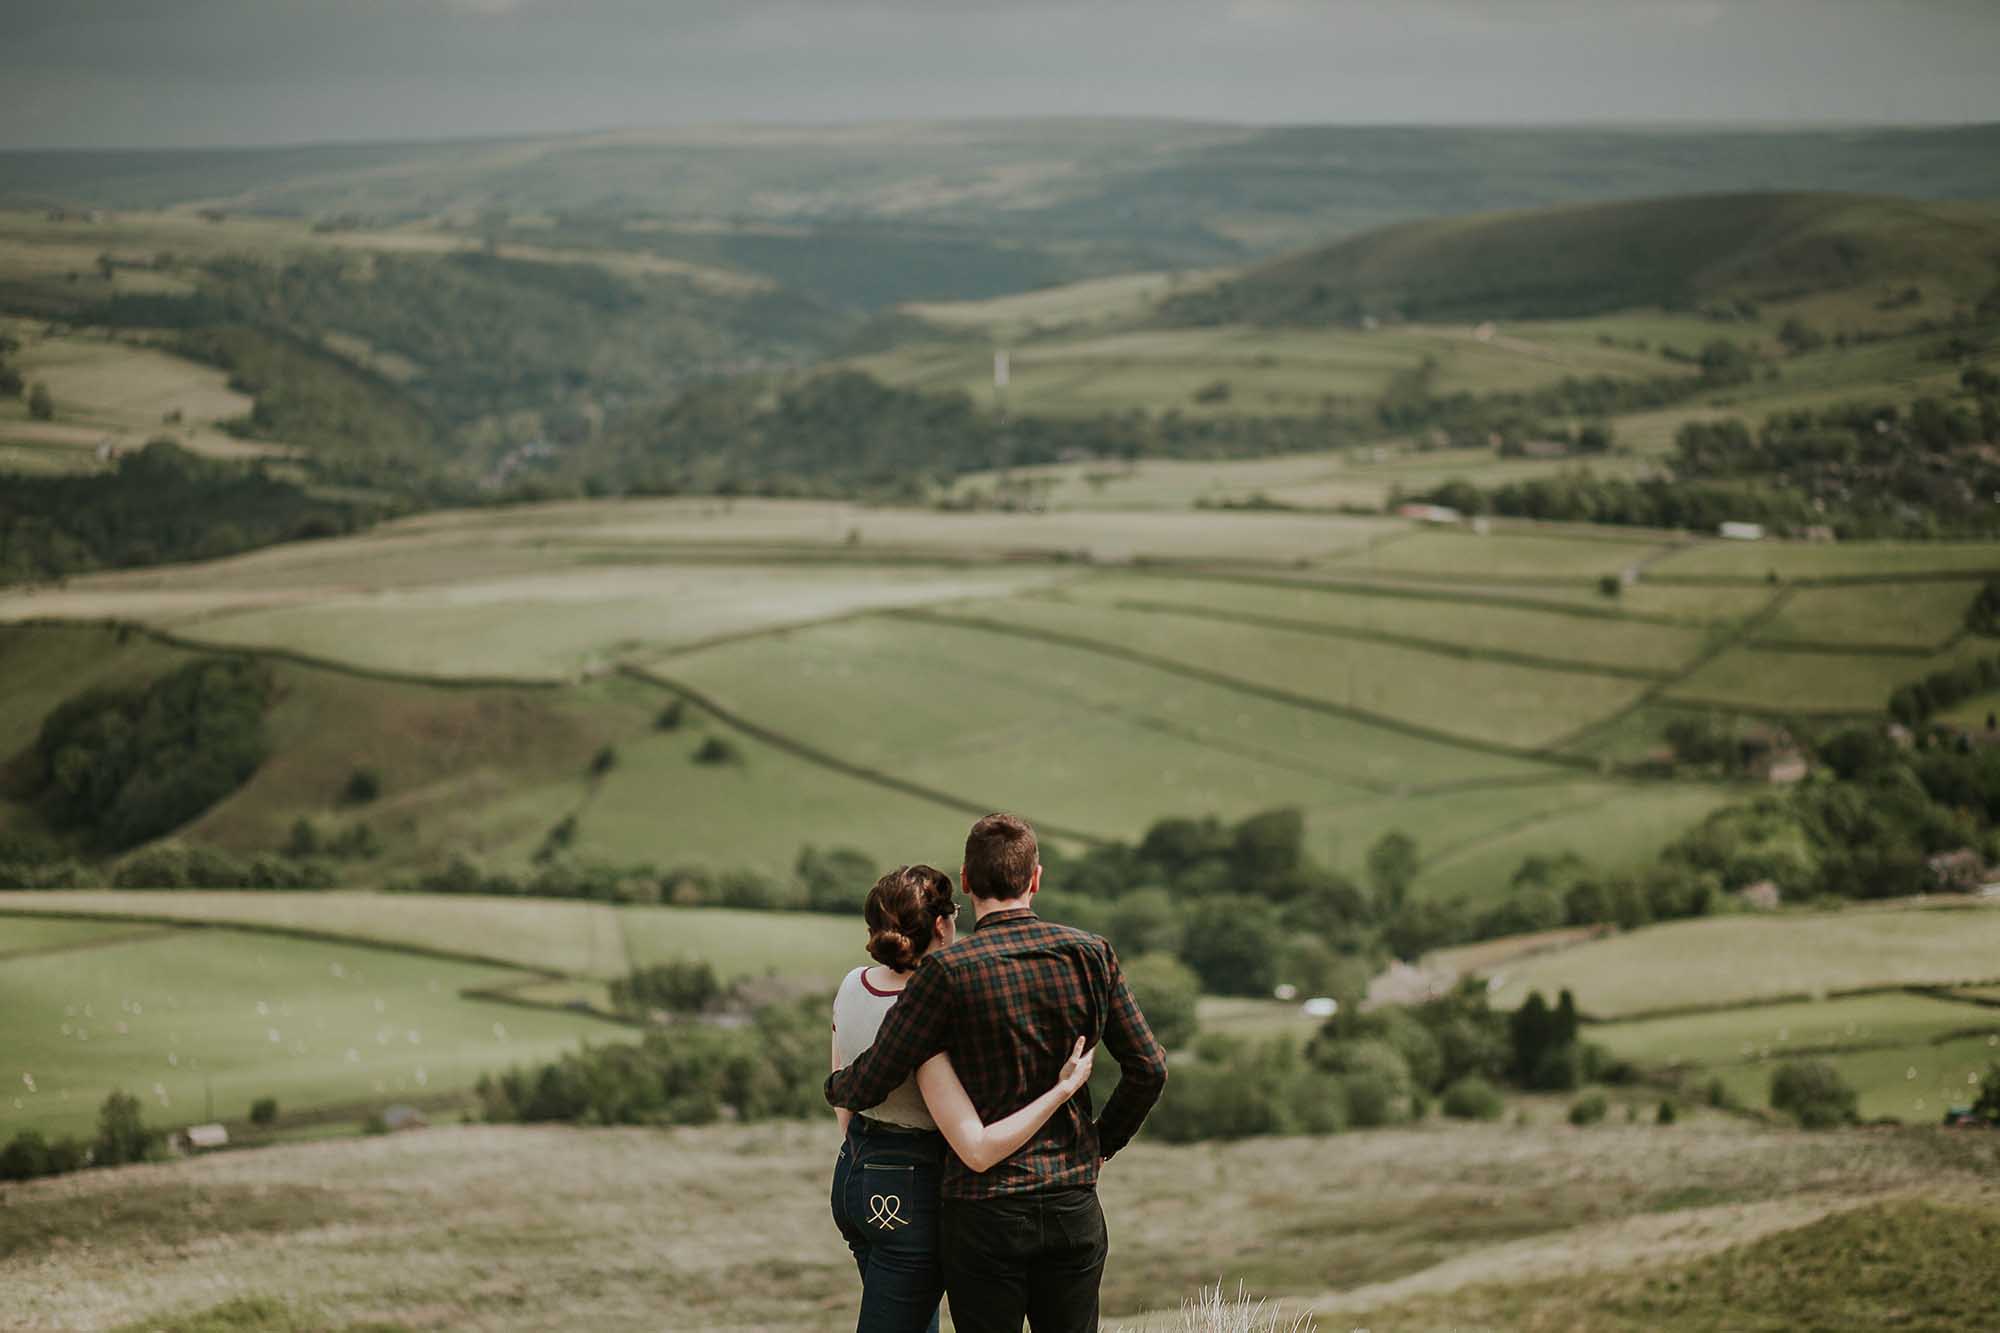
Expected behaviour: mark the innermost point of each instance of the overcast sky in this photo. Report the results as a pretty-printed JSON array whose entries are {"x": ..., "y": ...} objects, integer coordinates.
[{"x": 191, "y": 72}]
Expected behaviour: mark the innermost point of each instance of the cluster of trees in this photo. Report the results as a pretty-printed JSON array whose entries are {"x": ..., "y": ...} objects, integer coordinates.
[
  {"x": 846, "y": 433},
  {"x": 688, "y": 986},
  {"x": 121, "y": 1137},
  {"x": 1388, "y": 1065},
  {"x": 160, "y": 503},
  {"x": 771, "y": 1067},
  {"x": 1866, "y": 826},
  {"x": 1915, "y": 702},
  {"x": 120, "y": 766},
  {"x": 834, "y": 880},
  {"x": 1865, "y": 472}
]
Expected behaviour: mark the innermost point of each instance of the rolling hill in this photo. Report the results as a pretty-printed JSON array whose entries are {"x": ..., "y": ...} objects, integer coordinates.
[
  {"x": 1675, "y": 253},
  {"x": 867, "y": 215}
]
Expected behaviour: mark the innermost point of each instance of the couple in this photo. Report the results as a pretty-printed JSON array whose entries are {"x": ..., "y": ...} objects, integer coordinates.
[{"x": 970, "y": 1161}]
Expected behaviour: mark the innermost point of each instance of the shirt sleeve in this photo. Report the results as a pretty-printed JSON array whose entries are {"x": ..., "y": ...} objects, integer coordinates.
[
  {"x": 1142, "y": 1065},
  {"x": 912, "y": 1032}
]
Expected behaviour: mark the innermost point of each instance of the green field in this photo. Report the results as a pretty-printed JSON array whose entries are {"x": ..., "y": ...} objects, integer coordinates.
[
  {"x": 1359, "y": 476},
  {"x": 1268, "y": 371},
  {"x": 1479, "y": 699},
  {"x": 1615, "y": 825},
  {"x": 580, "y": 939},
  {"x": 186, "y": 1015},
  {"x": 1598, "y": 638},
  {"x": 1584, "y": 555},
  {"x": 1915, "y": 1084},
  {"x": 1760, "y": 1034},
  {"x": 20, "y": 935},
  {"x": 1774, "y": 681},
  {"x": 1806, "y": 560},
  {"x": 1898, "y": 615},
  {"x": 1739, "y": 959},
  {"x": 572, "y": 622},
  {"x": 1427, "y": 670},
  {"x": 117, "y": 393}
]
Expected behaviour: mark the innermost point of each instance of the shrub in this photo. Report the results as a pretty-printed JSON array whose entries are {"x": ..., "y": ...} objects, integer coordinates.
[
  {"x": 603, "y": 761},
  {"x": 1371, "y": 1100},
  {"x": 304, "y": 839},
  {"x": 1365, "y": 1055},
  {"x": 1410, "y": 1038},
  {"x": 752, "y": 889},
  {"x": 122, "y": 1135},
  {"x": 1316, "y": 1103},
  {"x": 1168, "y": 992},
  {"x": 1813, "y": 1093},
  {"x": 375, "y": 1124},
  {"x": 1987, "y": 1107},
  {"x": 1146, "y": 921},
  {"x": 264, "y": 1111},
  {"x": 1214, "y": 1102},
  {"x": 1588, "y": 1109},
  {"x": 717, "y": 750},
  {"x": 363, "y": 785},
  {"x": 1232, "y": 944},
  {"x": 1720, "y": 1097},
  {"x": 1473, "y": 1098},
  {"x": 356, "y": 843},
  {"x": 40, "y": 405},
  {"x": 1668, "y": 1112},
  {"x": 684, "y": 987},
  {"x": 836, "y": 880},
  {"x": 671, "y": 717},
  {"x": 559, "y": 837},
  {"x": 1610, "y": 585},
  {"x": 25, "y": 1157}
]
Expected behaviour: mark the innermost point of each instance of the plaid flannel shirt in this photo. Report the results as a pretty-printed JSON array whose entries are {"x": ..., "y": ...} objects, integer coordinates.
[{"x": 1007, "y": 1002}]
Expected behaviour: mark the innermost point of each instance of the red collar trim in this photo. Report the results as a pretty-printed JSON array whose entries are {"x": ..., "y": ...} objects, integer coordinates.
[{"x": 869, "y": 986}]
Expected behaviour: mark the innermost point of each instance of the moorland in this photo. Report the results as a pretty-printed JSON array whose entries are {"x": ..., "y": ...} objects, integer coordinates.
[{"x": 450, "y": 590}]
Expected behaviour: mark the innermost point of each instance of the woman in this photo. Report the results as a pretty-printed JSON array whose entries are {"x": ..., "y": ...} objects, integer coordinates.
[{"x": 885, "y": 1181}]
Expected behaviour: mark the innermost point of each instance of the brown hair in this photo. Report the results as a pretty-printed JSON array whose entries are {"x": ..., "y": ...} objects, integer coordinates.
[
  {"x": 1000, "y": 857},
  {"x": 902, "y": 913}
]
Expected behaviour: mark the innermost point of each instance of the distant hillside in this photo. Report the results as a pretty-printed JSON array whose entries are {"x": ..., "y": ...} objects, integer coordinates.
[
  {"x": 869, "y": 215},
  {"x": 1677, "y": 253}
]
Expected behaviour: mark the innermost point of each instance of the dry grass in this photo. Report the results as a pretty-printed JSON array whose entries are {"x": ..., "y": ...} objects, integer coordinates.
[{"x": 548, "y": 1228}]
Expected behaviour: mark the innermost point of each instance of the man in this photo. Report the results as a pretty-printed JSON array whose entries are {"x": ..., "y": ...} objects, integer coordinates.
[{"x": 1007, "y": 1001}]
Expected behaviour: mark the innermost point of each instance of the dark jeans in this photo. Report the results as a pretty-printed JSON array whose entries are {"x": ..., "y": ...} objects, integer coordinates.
[
  {"x": 1033, "y": 1256},
  {"x": 885, "y": 1201}
]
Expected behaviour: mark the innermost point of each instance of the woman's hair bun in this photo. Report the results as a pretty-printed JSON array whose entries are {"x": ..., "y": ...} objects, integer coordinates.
[
  {"x": 902, "y": 913},
  {"x": 893, "y": 949}
]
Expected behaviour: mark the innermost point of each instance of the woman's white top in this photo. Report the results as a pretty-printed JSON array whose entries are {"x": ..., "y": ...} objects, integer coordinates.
[{"x": 858, "y": 1011}]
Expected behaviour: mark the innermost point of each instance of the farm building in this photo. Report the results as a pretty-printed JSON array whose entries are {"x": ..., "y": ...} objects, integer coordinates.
[
  {"x": 200, "y": 1138},
  {"x": 1429, "y": 513},
  {"x": 400, "y": 1117},
  {"x": 1763, "y": 896},
  {"x": 1742, "y": 532},
  {"x": 1960, "y": 871}
]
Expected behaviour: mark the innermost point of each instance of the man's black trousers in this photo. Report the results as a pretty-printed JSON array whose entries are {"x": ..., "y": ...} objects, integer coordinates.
[{"x": 1038, "y": 1257}]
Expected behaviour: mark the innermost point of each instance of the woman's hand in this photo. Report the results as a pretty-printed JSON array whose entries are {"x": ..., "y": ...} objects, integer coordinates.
[{"x": 1076, "y": 1069}]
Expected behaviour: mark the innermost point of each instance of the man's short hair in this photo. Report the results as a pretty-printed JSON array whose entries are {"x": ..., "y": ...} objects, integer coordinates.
[{"x": 1000, "y": 857}]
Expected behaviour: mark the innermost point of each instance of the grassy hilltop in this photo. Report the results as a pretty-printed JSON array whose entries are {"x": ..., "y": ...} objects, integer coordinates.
[{"x": 1680, "y": 253}]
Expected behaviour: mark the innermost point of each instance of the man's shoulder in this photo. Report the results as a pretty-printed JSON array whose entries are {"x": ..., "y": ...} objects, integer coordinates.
[{"x": 1022, "y": 933}]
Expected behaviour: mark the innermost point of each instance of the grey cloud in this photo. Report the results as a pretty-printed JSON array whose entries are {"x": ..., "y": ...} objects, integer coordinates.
[{"x": 137, "y": 72}]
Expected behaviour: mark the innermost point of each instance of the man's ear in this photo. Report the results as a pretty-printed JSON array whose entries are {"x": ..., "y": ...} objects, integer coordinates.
[{"x": 1035, "y": 882}]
